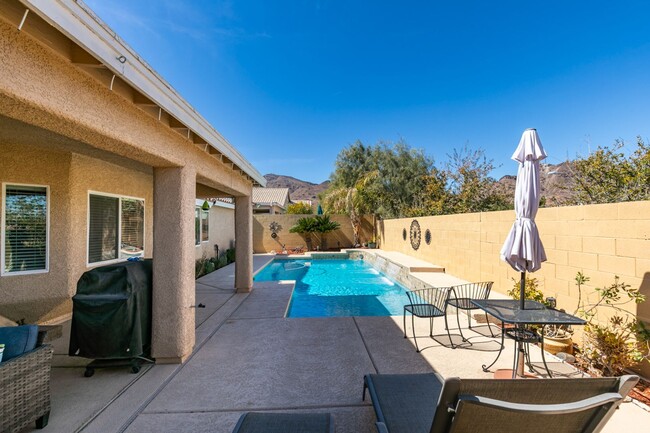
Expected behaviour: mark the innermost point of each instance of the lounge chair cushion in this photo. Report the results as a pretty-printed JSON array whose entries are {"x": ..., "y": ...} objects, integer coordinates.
[
  {"x": 258, "y": 422},
  {"x": 405, "y": 402},
  {"x": 18, "y": 340}
]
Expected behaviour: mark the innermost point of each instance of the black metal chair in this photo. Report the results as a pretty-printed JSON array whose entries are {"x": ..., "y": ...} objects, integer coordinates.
[
  {"x": 429, "y": 303},
  {"x": 461, "y": 296}
]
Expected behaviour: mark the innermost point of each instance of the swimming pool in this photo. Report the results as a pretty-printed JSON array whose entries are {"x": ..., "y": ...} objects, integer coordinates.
[{"x": 335, "y": 288}]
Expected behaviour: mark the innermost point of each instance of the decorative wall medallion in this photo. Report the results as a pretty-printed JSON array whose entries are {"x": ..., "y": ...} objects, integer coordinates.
[
  {"x": 416, "y": 235},
  {"x": 404, "y": 234},
  {"x": 427, "y": 236}
]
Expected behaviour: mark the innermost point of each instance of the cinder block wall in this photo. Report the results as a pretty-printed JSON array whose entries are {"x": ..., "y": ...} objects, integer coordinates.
[
  {"x": 343, "y": 237},
  {"x": 600, "y": 240}
]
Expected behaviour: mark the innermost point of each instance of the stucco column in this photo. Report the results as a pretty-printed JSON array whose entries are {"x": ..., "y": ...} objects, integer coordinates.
[
  {"x": 244, "y": 244},
  {"x": 173, "y": 264}
]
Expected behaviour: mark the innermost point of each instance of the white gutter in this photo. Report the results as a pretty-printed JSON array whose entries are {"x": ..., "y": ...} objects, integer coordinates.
[{"x": 76, "y": 20}]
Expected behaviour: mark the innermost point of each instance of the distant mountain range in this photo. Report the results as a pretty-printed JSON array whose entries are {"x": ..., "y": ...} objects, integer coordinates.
[
  {"x": 298, "y": 189},
  {"x": 557, "y": 185}
]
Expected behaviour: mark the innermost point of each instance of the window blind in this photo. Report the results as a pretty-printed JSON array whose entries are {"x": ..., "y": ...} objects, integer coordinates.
[
  {"x": 103, "y": 228},
  {"x": 25, "y": 228}
]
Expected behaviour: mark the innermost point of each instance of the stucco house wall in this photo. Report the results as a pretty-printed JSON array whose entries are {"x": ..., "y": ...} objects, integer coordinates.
[
  {"x": 70, "y": 177},
  {"x": 221, "y": 230}
]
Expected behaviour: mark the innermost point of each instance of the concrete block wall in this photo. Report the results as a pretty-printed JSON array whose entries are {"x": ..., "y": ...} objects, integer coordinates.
[
  {"x": 601, "y": 241},
  {"x": 343, "y": 237}
]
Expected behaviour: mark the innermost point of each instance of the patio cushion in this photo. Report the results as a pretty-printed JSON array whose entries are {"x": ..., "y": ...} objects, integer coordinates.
[
  {"x": 406, "y": 403},
  {"x": 257, "y": 422},
  {"x": 18, "y": 340}
]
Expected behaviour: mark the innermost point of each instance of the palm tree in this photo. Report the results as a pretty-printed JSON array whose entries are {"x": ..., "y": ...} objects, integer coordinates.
[{"x": 354, "y": 201}]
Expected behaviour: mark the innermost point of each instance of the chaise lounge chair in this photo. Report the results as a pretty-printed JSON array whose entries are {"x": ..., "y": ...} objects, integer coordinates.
[
  {"x": 273, "y": 422},
  {"x": 425, "y": 403}
]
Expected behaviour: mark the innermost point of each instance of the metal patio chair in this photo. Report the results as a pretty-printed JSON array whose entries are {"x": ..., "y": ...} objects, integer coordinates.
[
  {"x": 461, "y": 296},
  {"x": 428, "y": 303},
  {"x": 427, "y": 403}
]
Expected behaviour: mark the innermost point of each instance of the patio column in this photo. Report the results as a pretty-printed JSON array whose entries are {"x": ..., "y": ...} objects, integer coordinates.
[
  {"x": 244, "y": 244},
  {"x": 173, "y": 264}
]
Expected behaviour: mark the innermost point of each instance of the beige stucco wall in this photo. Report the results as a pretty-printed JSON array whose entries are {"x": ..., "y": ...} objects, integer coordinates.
[
  {"x": 70, "y": 177},
  {"x": 343, "y": 238},
  {"x": 41, "y": 87},
  {"x": 221, "y": 232}
]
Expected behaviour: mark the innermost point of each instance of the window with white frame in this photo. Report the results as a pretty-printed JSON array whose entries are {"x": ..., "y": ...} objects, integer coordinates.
[
  {"x": 115, "y": 228},
  {"x": 201, "y": 225},
  {"x": 205, "y": 225},
  {"x": 25, "y": 243}
]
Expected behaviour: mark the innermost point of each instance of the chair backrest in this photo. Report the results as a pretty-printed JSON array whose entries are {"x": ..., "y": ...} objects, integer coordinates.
[
  {"x": 436, "y": 296},
  {"x": 544, "y": 405},
  {"x": 480, "y": 290}
]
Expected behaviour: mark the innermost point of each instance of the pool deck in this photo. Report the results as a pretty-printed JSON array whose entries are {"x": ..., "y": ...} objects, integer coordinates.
[{"x": 248, "y": 356}]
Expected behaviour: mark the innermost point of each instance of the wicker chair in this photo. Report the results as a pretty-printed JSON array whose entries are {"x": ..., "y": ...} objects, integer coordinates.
[
  {"x": 461, "y": 297},
  {"x": 429, "y": 303},
  {"x": 25, "y": 390}
]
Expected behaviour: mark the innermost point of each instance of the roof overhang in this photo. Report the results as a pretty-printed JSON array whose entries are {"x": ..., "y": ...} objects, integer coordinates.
[{"x": 77, "y": 21}]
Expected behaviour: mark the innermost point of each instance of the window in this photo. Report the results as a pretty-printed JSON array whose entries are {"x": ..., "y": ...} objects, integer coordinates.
[
  {"x": 115, "y": 228},
  {"x": 205, "y": 225},
  {"x": 25, "y": 229},
  {"x": 197, "y": 226},
  {"x": 201, "y": 225}
]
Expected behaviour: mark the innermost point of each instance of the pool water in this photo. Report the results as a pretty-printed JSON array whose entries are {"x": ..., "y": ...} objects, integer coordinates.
[{"x": 335, "y": 288}]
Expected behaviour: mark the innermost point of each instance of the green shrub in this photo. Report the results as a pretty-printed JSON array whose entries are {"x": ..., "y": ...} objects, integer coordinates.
[
  {"x": 230, "y": 255},
  {"x": 531, "y": 291}
]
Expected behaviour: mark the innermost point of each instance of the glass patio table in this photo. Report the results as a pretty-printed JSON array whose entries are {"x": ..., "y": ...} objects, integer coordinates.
[{"x": 509, "y": 311}]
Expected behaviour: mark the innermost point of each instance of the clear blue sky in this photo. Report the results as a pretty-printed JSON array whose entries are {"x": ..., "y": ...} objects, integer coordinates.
[{"x": 290, "y": 83}]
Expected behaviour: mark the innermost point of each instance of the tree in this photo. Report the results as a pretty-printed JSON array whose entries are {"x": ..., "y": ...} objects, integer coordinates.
[
  {"x": 608, "y": 175},
  {"x": 354, "y": 201},
  {"x": 470, "y": 186},
  {"x": 299, "y": 208},
  {"x": 305, "y": 226},
  {"x": 322, "y": 226},
  {"x": 386, "y": 179}
]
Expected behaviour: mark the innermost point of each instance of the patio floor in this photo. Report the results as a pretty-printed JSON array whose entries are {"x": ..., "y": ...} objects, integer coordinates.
[{"x": 249, "y": 357}]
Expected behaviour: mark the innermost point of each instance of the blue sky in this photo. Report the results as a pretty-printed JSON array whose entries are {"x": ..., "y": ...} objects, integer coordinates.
[{"x": 290, "y": 83}]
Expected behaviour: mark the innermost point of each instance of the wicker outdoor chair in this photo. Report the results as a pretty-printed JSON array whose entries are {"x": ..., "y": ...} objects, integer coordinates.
[
  {"x": 25, "y": 390},
  {"x": 428, "y": 303},
  {"x": 426, "y": 403},
  {"x": 461, "y": 297}
]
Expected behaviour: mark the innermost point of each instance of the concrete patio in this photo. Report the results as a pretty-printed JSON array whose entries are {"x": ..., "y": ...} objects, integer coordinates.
[{"x": 249, "y": 357}]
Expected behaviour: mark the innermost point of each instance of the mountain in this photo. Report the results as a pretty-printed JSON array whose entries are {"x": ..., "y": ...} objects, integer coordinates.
[
  {"x": 298, "y": 189},
  {"x": 557, "y": 184}
]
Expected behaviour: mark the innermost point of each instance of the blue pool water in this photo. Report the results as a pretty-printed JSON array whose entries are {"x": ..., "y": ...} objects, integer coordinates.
[{"x": 327, "y": 288}]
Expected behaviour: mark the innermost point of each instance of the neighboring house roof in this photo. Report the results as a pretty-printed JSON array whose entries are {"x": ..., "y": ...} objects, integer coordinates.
[
  {"x": 271, "y": 196},
  {"x": 80, "y": 24}
]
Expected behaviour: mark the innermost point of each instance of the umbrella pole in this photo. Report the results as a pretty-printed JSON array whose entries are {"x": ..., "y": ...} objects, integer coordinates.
[
  {"x": 522, "y": 291},
  {"x": 520, "y": 345}
]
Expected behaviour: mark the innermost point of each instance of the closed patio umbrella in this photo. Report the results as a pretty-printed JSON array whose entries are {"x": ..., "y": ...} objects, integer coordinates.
[{"x": 523, "y": 248}]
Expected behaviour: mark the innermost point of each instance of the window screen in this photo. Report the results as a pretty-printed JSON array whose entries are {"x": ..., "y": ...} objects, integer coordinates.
[
  {"x": 132, "y": 228},
  {"x": 25, "y": 228},
  {"x": 205, "y": 225}
]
